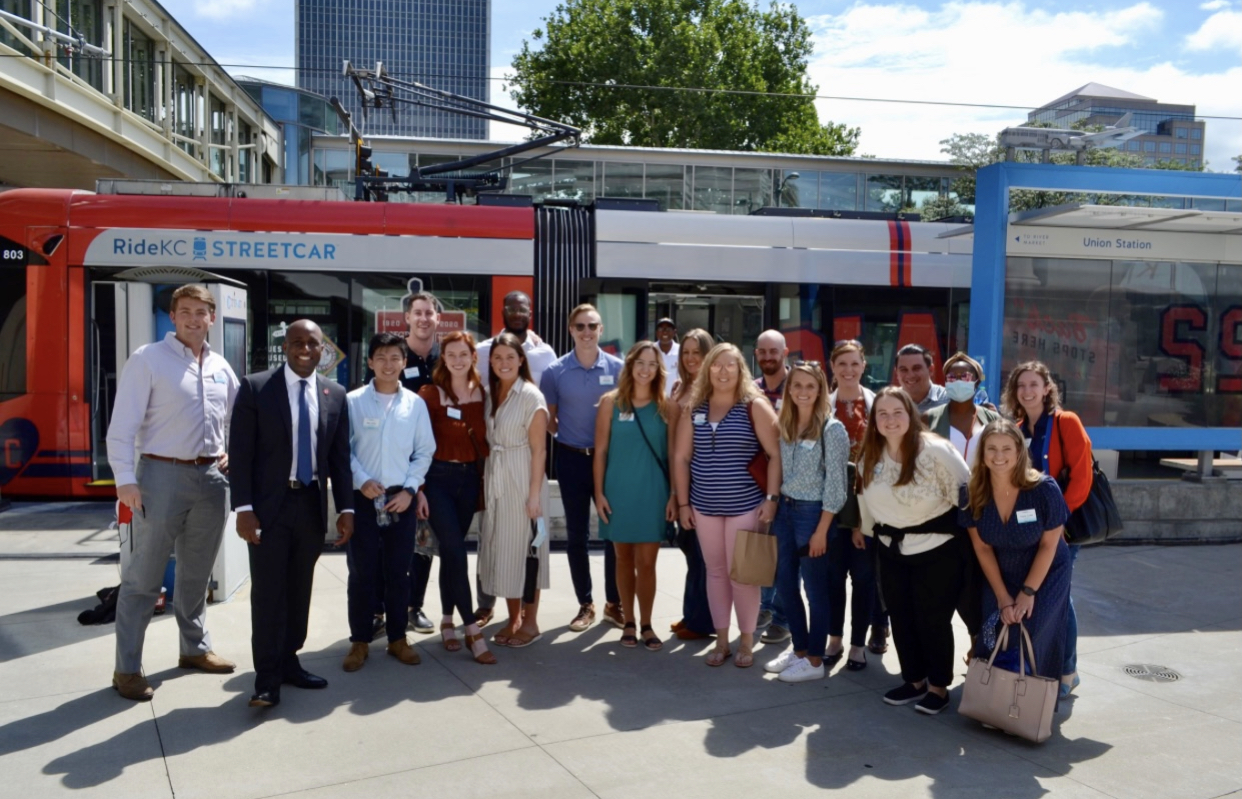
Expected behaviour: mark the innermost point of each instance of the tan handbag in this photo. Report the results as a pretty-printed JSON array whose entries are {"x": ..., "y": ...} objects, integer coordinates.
[
  {"x": 1019, "y": 703},
  {"x": 754, "y": 557}
]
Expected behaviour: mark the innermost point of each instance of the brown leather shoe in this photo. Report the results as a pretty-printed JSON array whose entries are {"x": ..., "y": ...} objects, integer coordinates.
[
  {"x": 584, "y": 619},
  {"x": 686, "y": 634},
  {"x": 402, "y": 651},
  {"x": 132, "y": 686},
  {"x": 614, "y": 615},
  {"x": 359, "y": 651},
  {"x": 209, "y": 662}
]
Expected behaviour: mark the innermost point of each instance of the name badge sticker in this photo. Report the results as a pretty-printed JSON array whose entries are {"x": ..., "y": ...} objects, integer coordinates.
[
  {"x": 219, "y": 377},
  {"x": 625, "y": 417},
  {"x": 700, "y": 418},
  {"x": 808, "y": 444},
  {"x": 1027, "y": 516},
  {"x": 454, "y": 413},
  {"x": 411, "y": 372},
  {"x": 370, "y": 423},
  {"x": 606, "y": 380}
]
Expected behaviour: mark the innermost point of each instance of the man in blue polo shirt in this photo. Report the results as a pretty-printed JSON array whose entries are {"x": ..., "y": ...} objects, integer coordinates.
[{"x": 572, "y": 387}]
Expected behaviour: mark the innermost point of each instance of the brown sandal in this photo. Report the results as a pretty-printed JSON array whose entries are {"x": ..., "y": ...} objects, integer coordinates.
[
  {"x": 478, "y": 648},
  {"x": 448, "y": 634}
]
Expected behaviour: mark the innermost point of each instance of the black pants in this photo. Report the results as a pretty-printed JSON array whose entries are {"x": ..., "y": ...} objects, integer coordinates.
[
  {"x": 922, "y": 592},
  {"x": 282, "y": 568},
  {"x": 576, "y": 475},
  {"x": 373, "y": 552},
  {"x": 452, "y": 491}
]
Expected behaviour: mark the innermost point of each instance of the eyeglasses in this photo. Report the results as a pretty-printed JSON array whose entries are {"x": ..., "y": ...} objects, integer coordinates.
[
  {"x": 816, "y": 365},
  {"x": 592, "y": 326},
  {"x": 952, "y": 378},
  {"x": 728, "y": 366}
]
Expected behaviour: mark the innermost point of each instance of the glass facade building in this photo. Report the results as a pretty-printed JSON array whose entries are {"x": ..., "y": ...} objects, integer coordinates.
[
  {"x": 1162, "y": 123},
  {"x": 301, "y": 114},
  {"x": 440, "y": 43}
]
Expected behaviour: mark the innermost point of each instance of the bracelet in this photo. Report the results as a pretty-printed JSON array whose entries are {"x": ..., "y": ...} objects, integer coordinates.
[{"x": 683, "y": 506}]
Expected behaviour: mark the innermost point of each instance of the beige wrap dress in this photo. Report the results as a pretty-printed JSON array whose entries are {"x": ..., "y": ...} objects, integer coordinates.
[{"x": 505, "y": 534}]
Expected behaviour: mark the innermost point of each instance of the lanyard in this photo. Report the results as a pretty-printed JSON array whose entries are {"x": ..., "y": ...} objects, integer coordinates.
[{"x": 1049, "y": 420}]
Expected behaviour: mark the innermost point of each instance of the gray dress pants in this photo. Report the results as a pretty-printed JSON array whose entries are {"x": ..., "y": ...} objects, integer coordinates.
[{"x": 184, "y": 511}]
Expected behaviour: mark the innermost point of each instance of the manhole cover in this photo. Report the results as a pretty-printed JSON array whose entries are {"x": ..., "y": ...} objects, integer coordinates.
[{"x": 1151, "y": 672}]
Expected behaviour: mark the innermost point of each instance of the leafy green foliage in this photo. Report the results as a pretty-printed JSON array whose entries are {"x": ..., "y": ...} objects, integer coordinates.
[{"x": 593, "y": 57}]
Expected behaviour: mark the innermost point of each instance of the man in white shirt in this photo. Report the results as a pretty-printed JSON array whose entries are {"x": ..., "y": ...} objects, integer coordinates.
[
  {"x": 670, "y": 350},
  {"x": 172, "y": 406},
  {"x": 517, "y": 315}
]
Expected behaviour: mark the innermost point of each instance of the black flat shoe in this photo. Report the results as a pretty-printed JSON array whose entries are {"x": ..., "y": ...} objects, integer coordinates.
[
  {"x": 832, "y": 660},
  {"x": 304, "y": 679},
  {"x": 857, "y": 665},
  {"x": 265, "y": 699}
]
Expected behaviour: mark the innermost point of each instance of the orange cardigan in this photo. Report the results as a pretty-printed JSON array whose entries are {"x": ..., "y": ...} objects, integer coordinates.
[{"x": 1067, "y": 427}]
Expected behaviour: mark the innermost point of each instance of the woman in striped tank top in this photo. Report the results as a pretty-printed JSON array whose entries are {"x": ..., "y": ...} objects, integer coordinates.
[{"x": 716, "y": 495}]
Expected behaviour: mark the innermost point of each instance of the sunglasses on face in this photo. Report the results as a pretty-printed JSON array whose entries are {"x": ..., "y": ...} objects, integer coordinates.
[
  {"x": 583, "y": 326},
  {"x": 816, "y": 365}
]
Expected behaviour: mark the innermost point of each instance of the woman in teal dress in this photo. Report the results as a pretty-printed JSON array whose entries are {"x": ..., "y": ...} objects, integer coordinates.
[{"x": 631, "y": 477}]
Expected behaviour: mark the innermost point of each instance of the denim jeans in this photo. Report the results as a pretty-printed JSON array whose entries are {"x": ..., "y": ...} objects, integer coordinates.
[
  {"x": 576, "y": 476},
  {"x": 452, "y": 491},
  {"x": 796, "y": 520},
  {"x": 1070, "y": 661},
  {"x": 859, "y": 564},
  {"x": 770, "y": 599},
  {"x": 695, "y": 611}
]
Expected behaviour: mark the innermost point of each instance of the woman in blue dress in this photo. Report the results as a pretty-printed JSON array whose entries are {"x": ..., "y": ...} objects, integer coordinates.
[{"x": 1016, "y": 518}]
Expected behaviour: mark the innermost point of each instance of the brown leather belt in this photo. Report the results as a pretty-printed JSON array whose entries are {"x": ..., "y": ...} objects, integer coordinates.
[{"x": 203, "y": 461}]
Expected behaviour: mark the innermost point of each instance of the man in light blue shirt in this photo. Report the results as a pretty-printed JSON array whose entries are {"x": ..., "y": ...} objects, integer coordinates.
[
  {"x": 391, "y": 446},
  {"x": 572, "y": 387},
  {"x": 166, "y": 446}
]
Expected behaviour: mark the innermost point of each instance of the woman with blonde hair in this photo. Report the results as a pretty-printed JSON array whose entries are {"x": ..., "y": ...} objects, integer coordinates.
[
  {"x": 696, "y": 615},
  {"x": 911, "y": 484},
  {"x": 726, "y": 423},
  {"x": 632, "y": 441},
  {"x": 1060, "y": 448},
  {"x": 1016, "y": 519},
  {"x": 814, "y": 455}
]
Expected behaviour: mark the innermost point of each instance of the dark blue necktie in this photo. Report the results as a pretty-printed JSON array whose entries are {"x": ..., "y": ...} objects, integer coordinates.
[{"x": 305, "y": 471}]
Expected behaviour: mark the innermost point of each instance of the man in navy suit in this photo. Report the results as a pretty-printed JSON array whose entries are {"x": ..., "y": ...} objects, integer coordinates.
[{"x": 289, "y": 435}]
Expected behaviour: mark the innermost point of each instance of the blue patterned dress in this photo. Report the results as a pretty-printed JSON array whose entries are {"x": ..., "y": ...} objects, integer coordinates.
[{"x": 1015, "y": 544}]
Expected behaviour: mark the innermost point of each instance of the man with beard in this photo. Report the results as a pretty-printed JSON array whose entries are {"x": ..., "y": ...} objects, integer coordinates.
[
  {"x": 516, "y": 315},
  {"x": 770, "y": 354}
]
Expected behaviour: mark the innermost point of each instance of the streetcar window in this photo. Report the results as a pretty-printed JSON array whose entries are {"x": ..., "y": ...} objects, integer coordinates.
[{"x": 12, "y": 332}]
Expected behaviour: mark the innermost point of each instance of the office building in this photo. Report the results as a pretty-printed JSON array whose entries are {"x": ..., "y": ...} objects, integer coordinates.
[
  {"x": 1170, "y": 130},
  {"x": 440, "y": 43}
]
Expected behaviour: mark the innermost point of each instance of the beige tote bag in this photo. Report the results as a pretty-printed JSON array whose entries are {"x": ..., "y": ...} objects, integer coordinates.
[{"x": 1018, "y": 703}]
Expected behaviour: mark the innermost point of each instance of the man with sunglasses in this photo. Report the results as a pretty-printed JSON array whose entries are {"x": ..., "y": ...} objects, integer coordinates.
[
  {"x": 572, "y": 387},
  {"x": 771, "y": 352}
]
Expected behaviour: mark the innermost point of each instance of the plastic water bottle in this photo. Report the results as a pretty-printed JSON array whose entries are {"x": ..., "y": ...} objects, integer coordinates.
[
  {"x": 981, "y": 396},
  {"x": 382, "y": 517}
]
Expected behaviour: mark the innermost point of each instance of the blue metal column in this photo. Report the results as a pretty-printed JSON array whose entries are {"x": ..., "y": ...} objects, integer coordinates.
[{"x": 987, "y": 275}]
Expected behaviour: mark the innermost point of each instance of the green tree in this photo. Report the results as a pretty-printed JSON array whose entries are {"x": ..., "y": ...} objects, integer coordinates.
[
  {"x": 1237, "y": 159},
  {"x": 590, "y": 53}
]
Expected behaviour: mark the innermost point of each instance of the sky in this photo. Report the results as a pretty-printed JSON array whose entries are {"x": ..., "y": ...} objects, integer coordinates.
[{"x": 975, "y": 52}]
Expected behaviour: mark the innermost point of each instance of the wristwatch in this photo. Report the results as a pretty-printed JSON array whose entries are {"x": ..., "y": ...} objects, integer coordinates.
[
  {"x": 772, "y": 498},
  {"x": 1026, "y": 589}
]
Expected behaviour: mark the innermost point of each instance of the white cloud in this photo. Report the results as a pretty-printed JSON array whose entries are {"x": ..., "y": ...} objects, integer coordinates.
[
  {"x": 499, "y": 92},
  {"x": 1222, "y": 29},
  {"x": 1214, "y": 5},
  {"x": 1004, "y": 53},
  {"x": 223, "y": 9}
]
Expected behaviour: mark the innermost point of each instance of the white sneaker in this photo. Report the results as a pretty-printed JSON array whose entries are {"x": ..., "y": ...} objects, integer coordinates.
[
  {"x": 802, "y": 671},
  {"x": 786, "y": 659}
]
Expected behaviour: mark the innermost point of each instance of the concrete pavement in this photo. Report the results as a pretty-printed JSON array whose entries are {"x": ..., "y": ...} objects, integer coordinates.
[{"x": 580, "y": 716}]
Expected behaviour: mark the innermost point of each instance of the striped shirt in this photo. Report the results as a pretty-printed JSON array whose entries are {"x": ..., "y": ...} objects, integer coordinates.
[{"x": 720, "y": 485}]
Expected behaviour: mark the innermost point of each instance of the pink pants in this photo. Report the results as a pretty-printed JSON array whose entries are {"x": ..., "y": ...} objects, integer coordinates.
[{"x": 716, "y": 537}]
